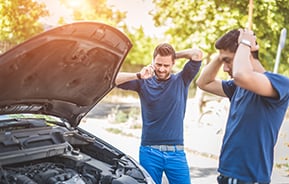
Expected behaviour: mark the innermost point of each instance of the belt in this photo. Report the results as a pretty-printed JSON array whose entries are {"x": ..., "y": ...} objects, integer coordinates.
[
  {"x": 168, "y": 147},
  {"x": 228, "y": 180}
]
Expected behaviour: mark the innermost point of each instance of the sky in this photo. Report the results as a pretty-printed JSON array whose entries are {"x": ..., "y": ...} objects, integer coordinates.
[{"x": 137, "y": 13}]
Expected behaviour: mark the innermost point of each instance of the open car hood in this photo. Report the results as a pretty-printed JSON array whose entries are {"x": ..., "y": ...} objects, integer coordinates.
[{"x": 62, "y": 72}]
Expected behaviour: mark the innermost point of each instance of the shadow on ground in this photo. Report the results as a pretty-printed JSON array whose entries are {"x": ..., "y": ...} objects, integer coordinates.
[
  {"x": 197, "y": 172},
  {"x": 103, "y": 109}
]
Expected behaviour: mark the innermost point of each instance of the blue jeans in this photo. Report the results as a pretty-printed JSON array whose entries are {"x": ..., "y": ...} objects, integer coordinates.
[{"x": 173, "y": 163}]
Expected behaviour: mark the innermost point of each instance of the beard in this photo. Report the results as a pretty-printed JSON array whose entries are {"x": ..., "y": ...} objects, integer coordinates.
[{"x": 162, "y": 75}]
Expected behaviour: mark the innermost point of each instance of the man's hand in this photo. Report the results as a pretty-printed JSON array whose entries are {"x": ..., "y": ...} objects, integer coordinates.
[
  {"x": 147, "y": 72},
  {"x": 248, "y": 35},
  {"x": 197, "y": 55}
]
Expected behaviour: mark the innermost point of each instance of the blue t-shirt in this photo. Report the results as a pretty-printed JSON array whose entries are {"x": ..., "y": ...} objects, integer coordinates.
[
  {"x": 163, "y": 105},
  {"x": 252, "y": 129}
]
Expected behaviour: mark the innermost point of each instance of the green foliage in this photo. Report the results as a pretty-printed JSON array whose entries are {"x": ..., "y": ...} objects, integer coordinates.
[
  {"x": 197, "y": 23},
  {"x": 201, "y": 23},
  {"x": 124, "y": 115},
  {"x": 114, "y": 130},
  {"x": 19, "y": 19},
  {"x": 141, "y": 53},
  {"x": 121, "y": 117}
]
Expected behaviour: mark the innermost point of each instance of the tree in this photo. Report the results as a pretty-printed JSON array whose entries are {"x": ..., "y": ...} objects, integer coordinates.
[
  {"x": 141, "y": 53},
  {"x": 202, "y": 22},
  {"x": 20, "y": 20}
]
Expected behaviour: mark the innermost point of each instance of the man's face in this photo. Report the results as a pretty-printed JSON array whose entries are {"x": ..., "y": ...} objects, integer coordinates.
[
  {"x": 163, "y": 66},
  {"x": 227, "y": 58}
]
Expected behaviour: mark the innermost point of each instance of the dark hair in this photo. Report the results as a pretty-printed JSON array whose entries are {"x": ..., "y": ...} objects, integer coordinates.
[
  {"x": 165, "y": 49},
  {"x": 229, "y": 41}
]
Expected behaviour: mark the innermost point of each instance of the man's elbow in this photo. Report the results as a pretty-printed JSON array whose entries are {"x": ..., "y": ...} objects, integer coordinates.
[
  {"x": 241, "y": 78},
  {"x": 200, "y": 84},
  {"x": 118, "y": 82}
]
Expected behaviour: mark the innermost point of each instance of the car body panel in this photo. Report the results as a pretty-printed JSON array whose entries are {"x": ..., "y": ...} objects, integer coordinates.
[
  {"x": 62, "y": 72},
  {"x": 48, "y": 83}
]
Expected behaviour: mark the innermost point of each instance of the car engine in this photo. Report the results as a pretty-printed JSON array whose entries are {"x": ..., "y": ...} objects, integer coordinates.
[
  {"x": 55, "y": 155},
  {"x": 60, "y": 170}
]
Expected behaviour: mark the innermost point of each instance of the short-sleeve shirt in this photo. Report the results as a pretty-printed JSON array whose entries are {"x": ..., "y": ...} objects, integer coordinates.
[
  {"x": 252, "y": 130},
  {"x": 163, "y": 105}
]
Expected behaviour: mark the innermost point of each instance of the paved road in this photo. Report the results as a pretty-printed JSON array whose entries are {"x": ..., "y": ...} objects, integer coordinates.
[{"x": 202, "y": 147}]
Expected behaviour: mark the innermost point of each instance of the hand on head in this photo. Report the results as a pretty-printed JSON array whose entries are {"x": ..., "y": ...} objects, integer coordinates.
[
  {"x": 197, "y": 54},
  {"x": 249, "y": 35}
]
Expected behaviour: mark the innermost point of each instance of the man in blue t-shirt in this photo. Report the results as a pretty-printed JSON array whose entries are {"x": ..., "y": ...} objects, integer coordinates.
[
  {"x": 259, "y": 101},
  {"x": 163, "y": 98}
]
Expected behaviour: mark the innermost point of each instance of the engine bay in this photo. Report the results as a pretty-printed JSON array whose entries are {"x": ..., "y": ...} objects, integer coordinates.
[{"x": 51, "y": 155}]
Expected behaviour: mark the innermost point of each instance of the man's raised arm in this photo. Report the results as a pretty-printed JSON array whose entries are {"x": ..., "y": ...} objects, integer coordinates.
[
  {"x": 207, "y": 80},
  {"x": 193, "y": 54}
]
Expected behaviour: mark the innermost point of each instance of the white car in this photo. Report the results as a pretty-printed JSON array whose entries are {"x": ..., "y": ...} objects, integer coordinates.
[{"x": 48, "y": 84}]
